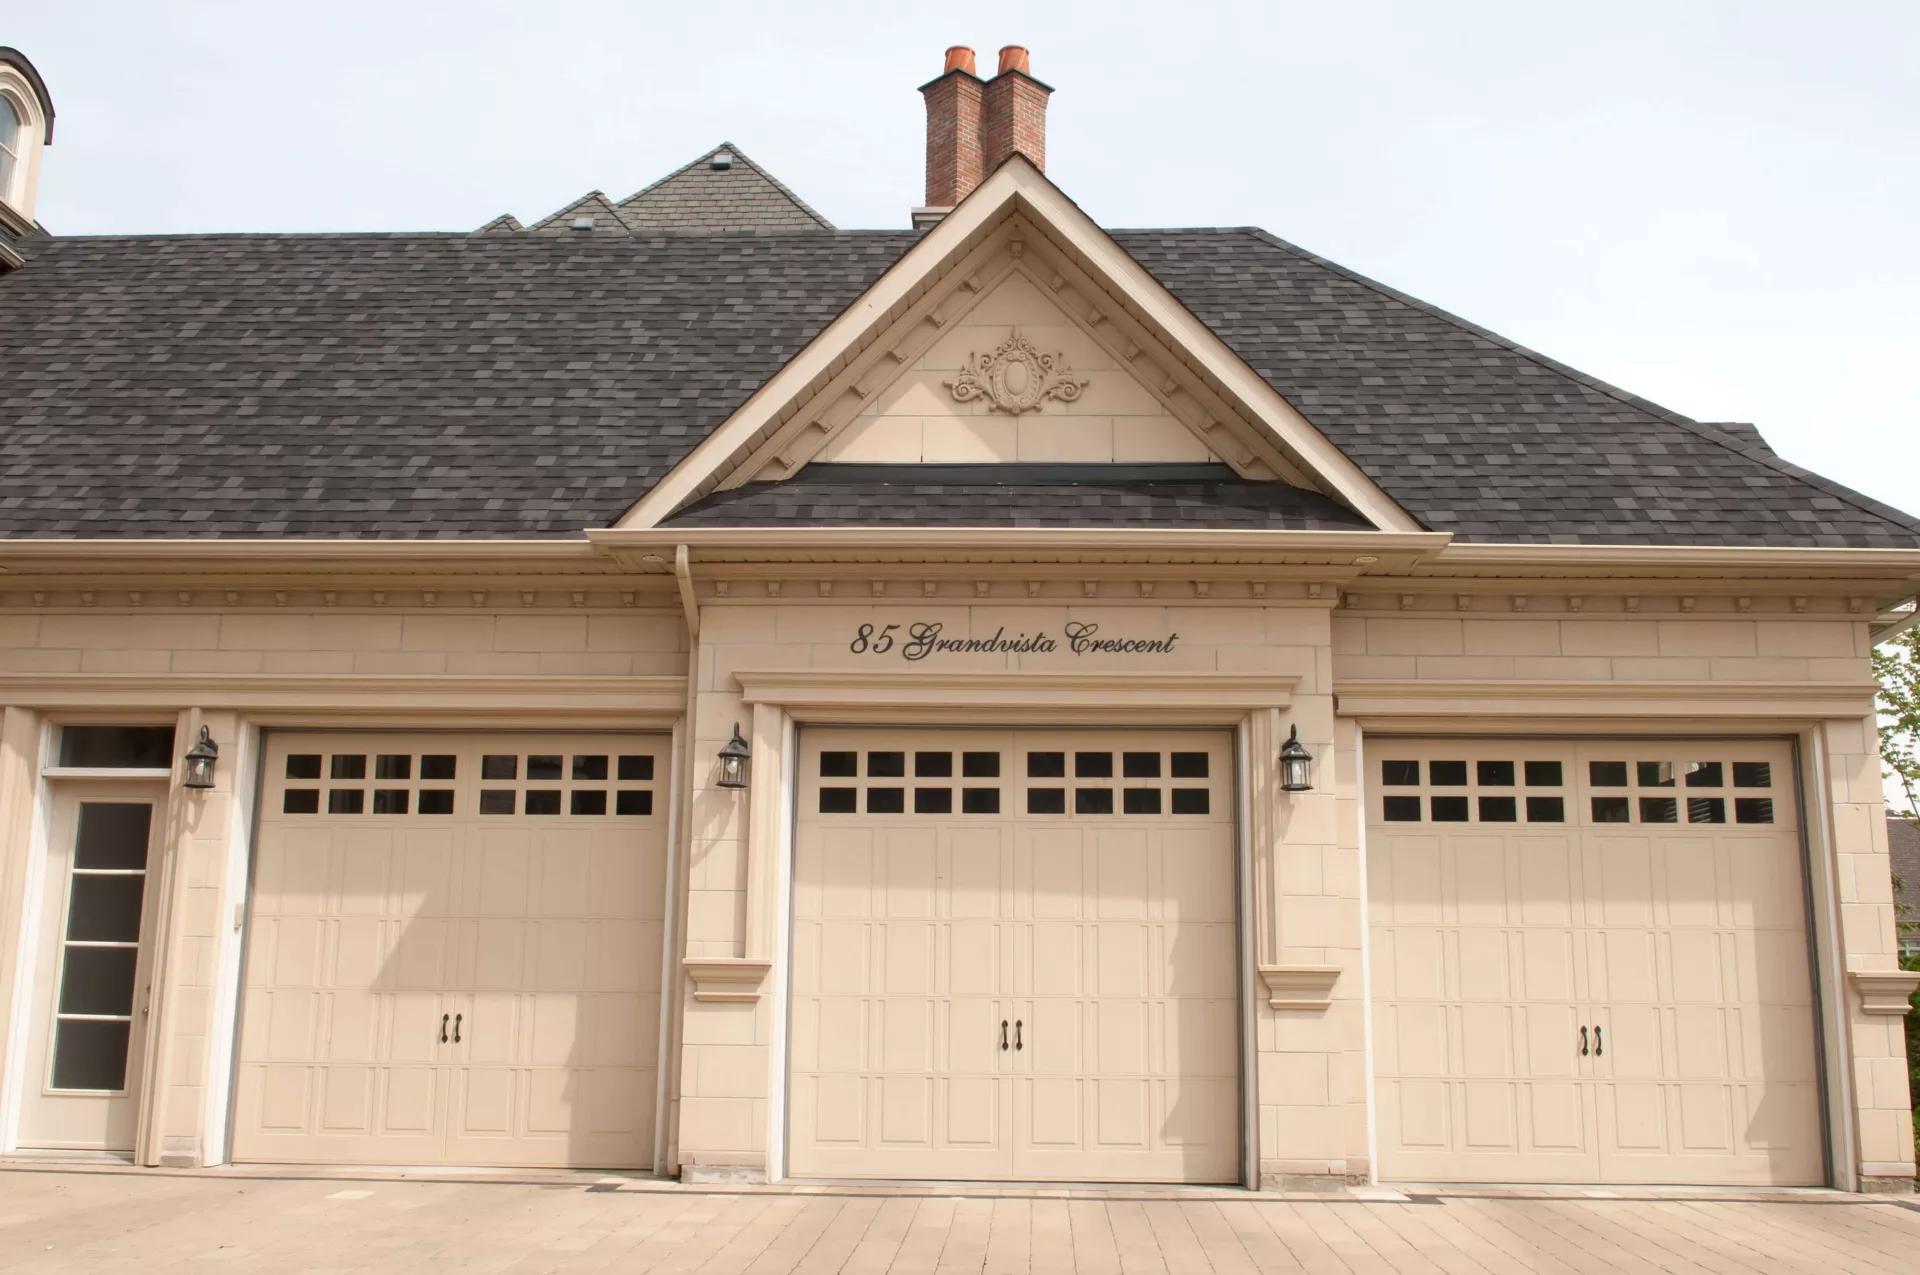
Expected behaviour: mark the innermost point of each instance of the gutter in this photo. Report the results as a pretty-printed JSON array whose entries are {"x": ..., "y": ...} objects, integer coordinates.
[
  {"x": 666, "y": 1135},
  {"x": 1896, "y": 622}
]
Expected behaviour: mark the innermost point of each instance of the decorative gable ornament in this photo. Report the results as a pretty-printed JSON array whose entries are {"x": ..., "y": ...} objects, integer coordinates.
[{"x": 1016, "y": 378}]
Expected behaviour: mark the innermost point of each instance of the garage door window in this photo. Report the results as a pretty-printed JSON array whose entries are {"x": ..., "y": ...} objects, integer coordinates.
[
  {"x": 1492, "y": 790},
  {"x": 425, "y": 784},
  {"x": 1625, "y": 790}
]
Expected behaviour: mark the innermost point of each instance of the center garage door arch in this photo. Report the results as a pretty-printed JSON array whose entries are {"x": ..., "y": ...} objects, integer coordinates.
[{"x": 800, "y": 711}]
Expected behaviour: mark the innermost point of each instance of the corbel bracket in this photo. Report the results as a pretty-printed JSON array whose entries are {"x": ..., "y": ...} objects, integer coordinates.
[
  {"x": 1884, "y": 991},
  {"x": 725, "y": 979},
  {"x": 1299, "y": 986}
]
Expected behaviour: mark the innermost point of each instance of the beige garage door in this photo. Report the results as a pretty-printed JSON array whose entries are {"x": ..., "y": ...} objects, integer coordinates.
[
  {"x": 1014, "y": 957},
  {"x": 1590, "y": 963},
  {"x": 454, "y": 953}
]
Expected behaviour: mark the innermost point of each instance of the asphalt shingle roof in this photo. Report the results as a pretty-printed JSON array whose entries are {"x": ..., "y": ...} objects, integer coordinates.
[
  {"x": 513, "y": 384},
  {"x": 822, "y": 495}
]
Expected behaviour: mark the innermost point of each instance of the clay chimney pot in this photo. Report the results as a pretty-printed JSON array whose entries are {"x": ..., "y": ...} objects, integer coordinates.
[
  {"x": 1014, "y": 58},
  {"x": 959, "y": 58}
]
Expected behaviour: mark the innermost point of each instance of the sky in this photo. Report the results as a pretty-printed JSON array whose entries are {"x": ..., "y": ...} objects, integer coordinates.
[{"x": 1710, "y": 204}]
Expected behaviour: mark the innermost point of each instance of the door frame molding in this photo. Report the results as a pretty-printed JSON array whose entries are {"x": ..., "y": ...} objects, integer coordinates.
[
  {"x": 52, "y": 786},
  {"x": 1247, "y": 705}
]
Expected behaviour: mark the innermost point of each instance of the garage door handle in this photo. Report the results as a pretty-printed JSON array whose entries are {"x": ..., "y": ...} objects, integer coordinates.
[
  {"x": 1016, "y": 1035},
  {"x": 1599, "y": 1045},
  {"x": 456, "y": 1028},
  {"x": 1583, "y": 1042},
  {"x": 1003, "y": 1035}
]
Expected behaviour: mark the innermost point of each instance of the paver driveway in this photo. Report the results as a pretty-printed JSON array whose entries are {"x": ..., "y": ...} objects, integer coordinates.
[{"x": 97, "y": 1220}]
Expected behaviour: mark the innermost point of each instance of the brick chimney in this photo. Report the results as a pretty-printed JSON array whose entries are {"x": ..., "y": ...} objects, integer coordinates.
[
  {"x": 1013, "y": 115},
  {"x": 974, "y": 126},
  {"x": 953, "y": 130}
]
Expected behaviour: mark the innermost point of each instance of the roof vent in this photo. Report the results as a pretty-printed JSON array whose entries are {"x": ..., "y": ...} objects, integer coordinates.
[
  {"x": 720, "y": 159},
  {"x": 583, "y": 223}
]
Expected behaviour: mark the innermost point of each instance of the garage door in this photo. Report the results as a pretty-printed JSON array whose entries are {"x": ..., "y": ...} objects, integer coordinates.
[
  {"x": 454, "y": 954},
  {"x": 1590, "y": 963},
  {"x": 1014, "y": 957}
]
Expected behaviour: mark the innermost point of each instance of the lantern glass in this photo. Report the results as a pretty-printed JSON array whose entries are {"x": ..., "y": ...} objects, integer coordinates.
[
  {"x": 1296, "y": 764},
  {"x": 200, "y": 759},
  {"x": 736, "y": 761}
]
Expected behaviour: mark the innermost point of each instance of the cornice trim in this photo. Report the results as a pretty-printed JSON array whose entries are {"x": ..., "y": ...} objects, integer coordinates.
[
  {"x": 1368, "y": 697},
  {"x": 1675, "y": 557},
  {"x": 1003, "y": 696},
  {"x": 354, "y": 694}
]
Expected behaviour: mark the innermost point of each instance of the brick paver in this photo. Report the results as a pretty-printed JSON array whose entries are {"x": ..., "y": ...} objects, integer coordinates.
[{"x": 82, "y": 1220}]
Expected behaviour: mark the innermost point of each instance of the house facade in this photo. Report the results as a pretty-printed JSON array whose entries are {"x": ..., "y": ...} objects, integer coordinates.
[{"x": 680, "y": 687}]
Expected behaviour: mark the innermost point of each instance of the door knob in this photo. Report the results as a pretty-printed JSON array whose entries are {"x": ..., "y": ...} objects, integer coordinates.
[
  {"x": 443, "y": 1029},
  {"x": 1003, "y": 1034},
  {"x": 456, "y": 1028},
  {"x": 1016, "y": 1035},
  {"x": 1583, "y": 1042},
  {"x": 1599, "y": 1046}
]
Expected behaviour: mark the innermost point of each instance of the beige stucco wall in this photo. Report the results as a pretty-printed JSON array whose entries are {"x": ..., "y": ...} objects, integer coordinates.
[
  {"x": 1310, "y": 1080},
  {"x": 136, "y": 650}
]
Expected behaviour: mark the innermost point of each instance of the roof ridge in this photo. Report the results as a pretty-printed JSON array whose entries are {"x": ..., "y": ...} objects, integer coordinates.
[
  {"x": 742, "y": 157},
  {"x": 1758, "y": 455},
  {"x": 591, "y": 197}
]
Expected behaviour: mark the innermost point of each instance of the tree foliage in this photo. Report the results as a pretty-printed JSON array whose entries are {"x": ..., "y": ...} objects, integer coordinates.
[{"x": 1897, "y": 666}]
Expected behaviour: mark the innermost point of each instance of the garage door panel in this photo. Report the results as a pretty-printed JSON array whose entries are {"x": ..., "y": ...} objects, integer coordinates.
[
  {"x": 907, "y": 958},
  {"x": 1479, "y": 880},
  {"x": 419, "y": 956},
  {"x": 907, "y": 873},
  {"x": 1627, "y": 968},
  {"x": 1546, "y": 965},
  {"x": 974, "y": 958},
  {"x": 477, "y": 897},
  {"x": 1549, "y": 881},
  {"x": 907, "y": 1034},
  {"x": 1102, "y": 942},
  {"x": 1486, "y": 1034},
  {"x": 1480, "y": 964},
  {"x": 1490, "y": 1118},
  {"x": 1196, "y": 877},
  {"x": 1661, "y": 909}
]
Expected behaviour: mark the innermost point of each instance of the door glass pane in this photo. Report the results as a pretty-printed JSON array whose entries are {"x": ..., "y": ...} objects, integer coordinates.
[
  {"x": 89, "y": 1053},
  {"x": 98, "y": 980},
  {"x": 112, "y": 835},
  {"x": 105, "y": 909}
]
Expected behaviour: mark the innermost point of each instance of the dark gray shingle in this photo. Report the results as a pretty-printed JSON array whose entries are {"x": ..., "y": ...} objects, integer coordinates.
[{"x": 527, "y": 385}]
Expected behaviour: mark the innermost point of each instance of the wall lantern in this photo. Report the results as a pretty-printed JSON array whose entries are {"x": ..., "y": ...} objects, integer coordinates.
[
  {"x": 200, "y": 759},
  {"x": 1296, "y": 764},
  {"x": 735, "y": 760}
]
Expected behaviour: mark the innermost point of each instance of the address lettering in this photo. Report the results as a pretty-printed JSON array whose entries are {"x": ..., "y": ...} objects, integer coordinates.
[{"x": 918, "y": 640}]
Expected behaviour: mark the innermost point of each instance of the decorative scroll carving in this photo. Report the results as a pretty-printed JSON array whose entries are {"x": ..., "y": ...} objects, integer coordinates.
[{"x": 1016, "y": 378}]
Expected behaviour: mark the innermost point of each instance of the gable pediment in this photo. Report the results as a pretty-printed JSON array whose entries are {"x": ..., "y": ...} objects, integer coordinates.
[
  {"x": 899, "y": 378},
  {"x": 1094, "y": 386}
]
